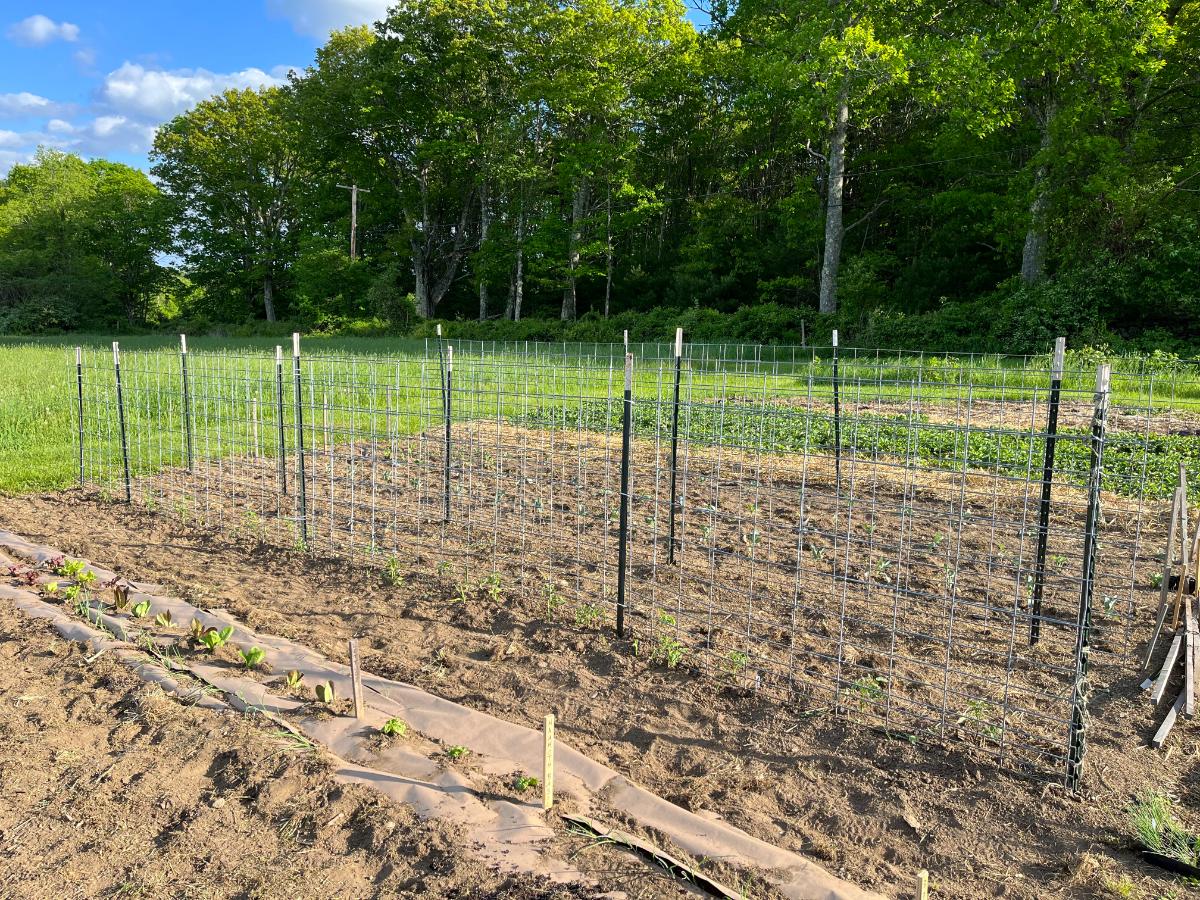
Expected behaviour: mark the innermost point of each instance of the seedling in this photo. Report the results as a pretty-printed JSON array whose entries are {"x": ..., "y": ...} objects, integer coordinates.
[
  {"x": 50, "y": 588},
  {"x": 324, "y": 692},
  {"x": 164, "y": 620},
  {"x": 869, "y": 689},
  {"x": 1156, "y": 580},
  {"x": 491, "y": 584},
  {"x": 120, "y": 594},
  {"x": 253, "y": 657},
  {"x": 588, "y": 615},
  {"x": 141, "y": 609},
  {"x": 736, "y": 661},
  {"x": 391, "y": 571},
  {"x": 394, "y": 728},
  {"x": 457, "y": 752},
  {"x": 195, "y": 629},
  {"x": 979, "y": 714},
  {"x": 881, "y": 571},
  {"x": 214, "y": 639},
  {"x": 461, "y": 596},
  {"x": 553, "y": 598},
  {"x": 443, "y": 569},
  {"x": 752, "y": 539},
  {"x": 525, "y": 783},
  {"x": 293, "y": 679}
]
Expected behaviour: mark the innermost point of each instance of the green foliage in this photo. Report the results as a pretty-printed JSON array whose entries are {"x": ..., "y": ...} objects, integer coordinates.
[
  {"x": 293, "y": 679},
  {"x": 252, "y": 658},
  {"x": 213, "y": 638},
  {"x": 524, "y": 783},
  {"x": 457, "y": 752},
  {"x": 141, "y": 609},
  {"x": 394, "y": 728},
  {"x": 1157, "y": 829},
  {"x": 324, "y": 692}
]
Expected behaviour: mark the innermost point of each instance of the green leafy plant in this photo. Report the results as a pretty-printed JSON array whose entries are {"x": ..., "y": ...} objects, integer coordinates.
[
  {"x": 457, "y": 752},
  {"x": 979, "y": 715},
  {"x": 394, "y": 728},
  {"x": 736, "y": 661},
  {"x": 670, "y": 652},
  {"x": 554, "y": 599},
  {"x": 214, "y": 638},
  {"x": 462, "y": 596},
  {"x": 588, "y": 615},
  {"x": 292, "y": 679},
  {"x": 324, "y": 692},
  {"x": 140, "y": 609},
  {"x": 868, "y": 689},
  {"x": 164, "y": 619},
  {"x": 491, "y": 584},
  {"x": 253, "y": 657},
  {"x": 195, "y": 629},
  {"x": 391, "y": 571},
  {"x": 525, "y": 783}
]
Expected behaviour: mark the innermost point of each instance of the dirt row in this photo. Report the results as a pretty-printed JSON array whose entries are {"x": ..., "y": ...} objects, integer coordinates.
[{"x": 897, "y": 597}]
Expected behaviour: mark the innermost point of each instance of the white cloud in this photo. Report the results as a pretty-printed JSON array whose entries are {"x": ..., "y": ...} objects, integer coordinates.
[
  {"x": 39, "y": 30},
  {"x": 25, "y": 104},
  {"x": 10, "y": 138},
  {"x": 160, "y": 94},
  {"x": 319, "y": 17}
]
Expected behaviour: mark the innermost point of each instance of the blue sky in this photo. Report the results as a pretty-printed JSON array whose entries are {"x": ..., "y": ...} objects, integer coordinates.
[{"x": 96, "y": 77}]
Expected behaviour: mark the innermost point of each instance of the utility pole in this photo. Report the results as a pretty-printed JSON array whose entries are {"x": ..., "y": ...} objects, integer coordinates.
[{"x": 354, "y": 191}]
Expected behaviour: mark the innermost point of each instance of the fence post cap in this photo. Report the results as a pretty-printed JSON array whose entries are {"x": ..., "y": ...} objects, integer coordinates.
[
  {"x": 296, "y": 344},
  {"x": 678, "y": 343},
  {"x": 835, "y": 337},
  {"x": 1060, "y": 351},
  {"x": 183, "y": 343}
]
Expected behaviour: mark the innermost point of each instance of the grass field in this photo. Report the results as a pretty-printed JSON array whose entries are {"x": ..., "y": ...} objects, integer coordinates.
[{"x": 567, "y": 386}]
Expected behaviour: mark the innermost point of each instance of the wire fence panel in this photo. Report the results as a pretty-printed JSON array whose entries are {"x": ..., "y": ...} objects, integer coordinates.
[{"x": 896, "y": 557}]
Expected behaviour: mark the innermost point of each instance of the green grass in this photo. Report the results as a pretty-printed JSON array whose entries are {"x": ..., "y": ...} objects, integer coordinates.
[{"x": 358, "y": 377}]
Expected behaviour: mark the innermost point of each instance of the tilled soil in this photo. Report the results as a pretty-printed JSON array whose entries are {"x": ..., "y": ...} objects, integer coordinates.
[
  {"x": 110, "y": 788},
  {"x": 872, "y": 807}
]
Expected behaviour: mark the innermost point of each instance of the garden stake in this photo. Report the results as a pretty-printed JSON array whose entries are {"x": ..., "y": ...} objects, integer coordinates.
[
  {"x": 1164, "y": 588},
  {"x": 923, "y": 885},
  {"x": 1078, "y": 732},
  {"x": 279, "y": 419},
  {"x": 187, "y": 406},
  {"x": 121, "y": 420},
  {"x": 623, "y": 525},
  {"x": 79, "y": 385},
  {"x": 446, "y": 463},
  {"x": 674, "y": 446},
  {"x": 300, "y": 485},
  {"x": 254, "y": 426},
  {"x": 1039, "y": 584},
  {"x": 837, "y": 422},
  {"x": 548, "y": 762},
  {"x": 1184, "y": 546},
  {"x": 356, "y": 687}
]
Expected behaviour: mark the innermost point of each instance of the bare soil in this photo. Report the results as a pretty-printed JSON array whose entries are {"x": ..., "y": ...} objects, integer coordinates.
[
  {"x": 110, "y": 788},
  {"x": 872, "y": 806}
]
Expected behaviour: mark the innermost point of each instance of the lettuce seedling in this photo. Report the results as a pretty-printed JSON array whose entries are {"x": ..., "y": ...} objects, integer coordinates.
[
  {"x": 253, "y": 657},
  {"x": 394, "y": 728},
  {"x": 294, "y": 677},
  {"x": 164, "y": 619},
  {"x": 324, "y": 692},
  {"x": 140, "y": 609},
  {"x": 213, "y": 639}
]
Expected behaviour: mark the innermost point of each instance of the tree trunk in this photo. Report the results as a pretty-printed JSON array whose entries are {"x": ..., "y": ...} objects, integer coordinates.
[
  {"x": 834, "y": 196},
  {"x": 578, "y": 211},
  {"x": 1033, "y": 255},
  {"x": 420, "y": 281},
  {"x": 608, "y": 247},
  {"x": 485, "y": 224},
  {"x": 269, "y": 297}
]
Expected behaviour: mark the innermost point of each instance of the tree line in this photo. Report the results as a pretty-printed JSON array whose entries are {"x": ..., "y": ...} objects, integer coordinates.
[{"x": 902, "y": 167}]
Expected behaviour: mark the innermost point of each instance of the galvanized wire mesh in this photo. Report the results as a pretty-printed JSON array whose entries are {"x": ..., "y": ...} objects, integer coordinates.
[{"x": 862, "y": 544}]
